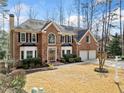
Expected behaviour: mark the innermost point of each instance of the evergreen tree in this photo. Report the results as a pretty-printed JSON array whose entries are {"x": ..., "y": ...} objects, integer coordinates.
[{"x": 114, "y": 46}]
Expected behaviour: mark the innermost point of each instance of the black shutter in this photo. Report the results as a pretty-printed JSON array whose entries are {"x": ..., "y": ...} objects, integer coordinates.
[
  {"x": 37, "y": 37},
  {"x": 30, "y": 37},
  {"x": 26, "y": 37},
  {"x": 18, "y": 36}
]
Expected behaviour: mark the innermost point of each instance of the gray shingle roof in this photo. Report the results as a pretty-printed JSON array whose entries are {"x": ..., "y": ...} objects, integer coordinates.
[
  {"x": 80, "y": 34},
  {"x": 32, "y": 24},
  {"x": 38, "y": 25}
]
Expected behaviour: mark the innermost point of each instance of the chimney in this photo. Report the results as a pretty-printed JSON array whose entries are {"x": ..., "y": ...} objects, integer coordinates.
[
  {"x": 11, "y": 21},
  {"x": 11, "y": 40}
]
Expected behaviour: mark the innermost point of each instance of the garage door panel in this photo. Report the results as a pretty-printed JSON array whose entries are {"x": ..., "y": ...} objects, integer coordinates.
[
  {"x": 92, "y": 54},
  {"x": 84, "y": 55}
]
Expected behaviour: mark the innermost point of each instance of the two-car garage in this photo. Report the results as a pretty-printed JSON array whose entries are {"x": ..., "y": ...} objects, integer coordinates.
[{"x": 87, "y": 54}]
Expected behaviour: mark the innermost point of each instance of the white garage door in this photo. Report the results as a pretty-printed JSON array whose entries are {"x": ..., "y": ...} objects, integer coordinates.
[
  {"x": 92, "y": 54},
  {"x": 84, "y": 55}
]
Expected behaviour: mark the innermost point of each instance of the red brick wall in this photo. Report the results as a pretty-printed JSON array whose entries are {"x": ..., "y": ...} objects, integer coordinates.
[
  {"x": 88, "y": 46},
  {"x": 44, "y": 44}
]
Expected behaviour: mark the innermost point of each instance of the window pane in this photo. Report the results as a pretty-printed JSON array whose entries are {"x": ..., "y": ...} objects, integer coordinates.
[
  {"x": 35, "y": 53},
  {"x": 87, "y": 39},
  {"x": 33, "y": 37},
  {"x": 29, "y": 54},
  {"x": 22, "y": 37},
  {"x": 22, "y": 54},
  {"x": 63, "y": 52},
  {"x": 68, "y": 51},
  {"x": 51, "y": 39}
]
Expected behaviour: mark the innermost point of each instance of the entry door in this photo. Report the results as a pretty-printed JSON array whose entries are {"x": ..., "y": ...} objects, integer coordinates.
[{"x": 51, "y": 54}]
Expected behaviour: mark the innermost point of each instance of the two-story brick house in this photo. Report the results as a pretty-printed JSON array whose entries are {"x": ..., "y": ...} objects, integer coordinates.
[{"x": 49, "y": 41}]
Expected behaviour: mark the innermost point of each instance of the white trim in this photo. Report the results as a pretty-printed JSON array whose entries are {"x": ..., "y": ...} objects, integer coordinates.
[
  {"x": 65, "y": 48},
  {"x": 86, "y": 34},
  {"x": 50, "y": 25},
  {"x": 48, "y": 52},
  {"x": 48, "y": 39},
  {"x": 25, "y": 49},
  {"x": 20, "y": 37}
]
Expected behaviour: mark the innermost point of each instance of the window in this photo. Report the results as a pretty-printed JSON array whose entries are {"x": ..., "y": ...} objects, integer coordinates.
[
  {"x": 66, "y": 38},
  {"x": 22, "y": 54},
  {"x": 51, "y": 39},
  {"x": 69, "y": 38},
  {"x": 88, "y": 39},
  {"x": 29, "y": 54},
  {"x": 33, "y": 38},
  {"x": 68, "y": 52},
  {"x": 23, "y": 37},
  {"x": 62, "y": 38},
  {"x": 35, "y": 53},
  {"x": 63, "y": 52}
]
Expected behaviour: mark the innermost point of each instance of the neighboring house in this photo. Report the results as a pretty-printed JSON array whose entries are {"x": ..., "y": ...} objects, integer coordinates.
[{"x": 49, "y": 41}]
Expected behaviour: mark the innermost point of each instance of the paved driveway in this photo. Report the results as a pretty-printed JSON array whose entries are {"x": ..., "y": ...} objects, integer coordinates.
[{"x": 112, "y": 63}]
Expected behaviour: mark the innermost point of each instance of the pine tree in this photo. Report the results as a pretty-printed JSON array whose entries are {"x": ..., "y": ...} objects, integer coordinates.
[{"x": 114, "y": 47}]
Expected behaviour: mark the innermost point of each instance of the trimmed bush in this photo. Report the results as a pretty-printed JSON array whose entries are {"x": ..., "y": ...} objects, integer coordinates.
[
  {"x": 31, "y": 63},
  {"x": 67, "y": 56},
  {"x": 71, "y": 60},
  {"x": 63, "y": 60},
  {"x": 78, "y": 59}
]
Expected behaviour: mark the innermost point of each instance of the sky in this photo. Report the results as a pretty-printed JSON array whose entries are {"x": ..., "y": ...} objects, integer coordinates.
[{"x": 48, "y": 7}]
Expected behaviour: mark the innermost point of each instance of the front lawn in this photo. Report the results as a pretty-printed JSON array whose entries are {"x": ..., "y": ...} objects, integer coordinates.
[{"x": 75, "y": 78}]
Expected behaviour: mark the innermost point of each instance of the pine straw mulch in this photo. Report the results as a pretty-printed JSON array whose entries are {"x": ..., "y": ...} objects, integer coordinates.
[{"x": 76, "y": 79}]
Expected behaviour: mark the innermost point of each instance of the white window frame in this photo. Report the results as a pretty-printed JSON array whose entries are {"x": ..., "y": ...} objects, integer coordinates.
[
  {"x": 21, "y": 38},
  {"x": 63, "y": 39},
  {"x": 32, "y": 37},
  {"x": 25, "y": 49},
  {"x": 48, "y": 39}
]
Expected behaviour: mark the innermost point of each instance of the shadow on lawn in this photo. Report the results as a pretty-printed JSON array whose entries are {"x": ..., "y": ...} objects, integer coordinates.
[{"x": 118, "y": 85}]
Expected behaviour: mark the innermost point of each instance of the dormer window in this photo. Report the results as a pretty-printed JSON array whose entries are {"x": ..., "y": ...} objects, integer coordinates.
[
  {"x": 34, "y": 38},
  {"x": 51, "y": 38},
  {"x": 23, "y": 37},
  {"x": 88, "y": 39}
]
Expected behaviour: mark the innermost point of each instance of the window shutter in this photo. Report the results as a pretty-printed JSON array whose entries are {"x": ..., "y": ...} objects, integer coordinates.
[
  {"x": 26, "y": 37},
  {"x": 30, "y": 37},
  {"x": 37, "y": 37},
  {"x": 18, "y": 36}
]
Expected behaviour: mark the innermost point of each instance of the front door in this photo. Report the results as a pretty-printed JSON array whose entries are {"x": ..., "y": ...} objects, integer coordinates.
[{"x": 51, "y": 54}]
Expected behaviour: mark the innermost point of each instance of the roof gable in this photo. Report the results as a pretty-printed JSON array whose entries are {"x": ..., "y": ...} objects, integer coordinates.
[
  {"x": 86, "y": 34},
  {"x": 48, "y": 25}
]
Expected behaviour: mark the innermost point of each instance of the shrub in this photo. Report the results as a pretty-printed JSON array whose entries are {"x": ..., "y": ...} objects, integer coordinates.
[
  {"x": 78, "y": 59},
  {"x": 67, "y": 56},
  {"x": 122, "y": 57},
  {"x": 71, "y": 60},
  {"x": 31, "y": 63},
  {"x": 63, "y": 60},
  {"x": 15, "y": 81}
]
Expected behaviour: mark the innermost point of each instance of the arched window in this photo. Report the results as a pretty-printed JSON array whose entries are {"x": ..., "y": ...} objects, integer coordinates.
[{"x": 51, "y": 38}]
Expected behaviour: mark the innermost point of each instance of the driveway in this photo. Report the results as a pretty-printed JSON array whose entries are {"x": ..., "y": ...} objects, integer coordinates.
[{"x": 112, "y": 63}]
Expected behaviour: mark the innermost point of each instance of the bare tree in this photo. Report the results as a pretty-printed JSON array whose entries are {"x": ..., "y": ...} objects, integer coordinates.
[
  {"x": 61, "y": 12},
  {"x": 32, "y": 13},
  {"x": 17, "y": 10},
  {"x": 69, "y": 12}
]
